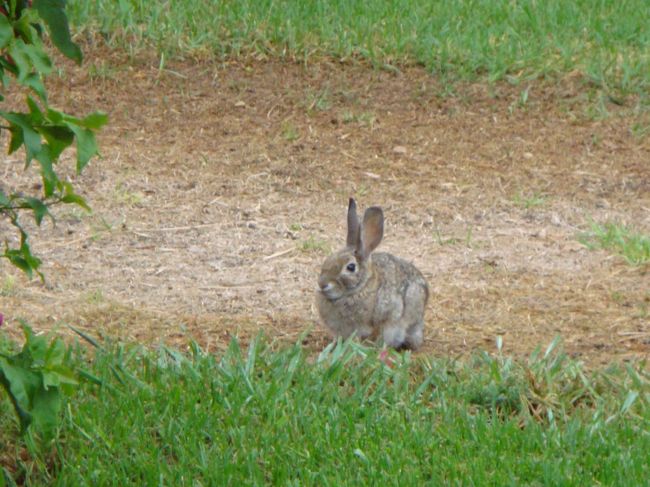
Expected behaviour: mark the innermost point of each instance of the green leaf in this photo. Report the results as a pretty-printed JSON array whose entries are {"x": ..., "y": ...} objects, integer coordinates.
[
  {"x": 6, "y": 31},
  {"x": 59, "y": 376},
  {"x": 53, "y": 14},
  {"x": 54, "y": 116},
  {"x": 45, "y": 410},
  {"x": 39, "y": 208},
  {"x": 55, "y": 353},
  {"x": 48, "y": 175},
  {"x": 34, "y": 111},
  {"x": 27, "y": 26},
  {"x": 6, "y": 65},
  {"x": 77, "y": 200},
  {"x": 50, "y": 379},
  {"x": 35, "y": 346},
  {"x": 16, "y": 259},
  {"x": 58, "y": 138},
  {"x": 32, "y": 139},
  {"x": 21, "y": 59},
  {"x": 40, "y": 60},
  {"x": 20, "y": 383},
  {"x": 22, "y": 257},
  {"x": 86, "y": 146},
  {"x": 17, "y": 139},
  {"x": 35, "y": 379},
  {"x": 35, "y": 82},
  {"x": 4, "y": 201},
  {"x": 82, "y": 128},
  {"x": 95, "y": 120},
  {"x": 32, "y": 261}
]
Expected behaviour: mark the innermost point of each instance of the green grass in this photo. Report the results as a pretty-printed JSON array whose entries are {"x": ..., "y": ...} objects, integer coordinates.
[
  {"x": 529, "y": 201},
  {"x": 633, "y": 246},
  {"x": 290, "y": 132},
  {"x": 444, "y": 240},
  {"x": 8, "y": 286},
  {"x": 606, "y": 41},
  {"x": 278, "y": 416},
  {"x": 313, "y": 244}
]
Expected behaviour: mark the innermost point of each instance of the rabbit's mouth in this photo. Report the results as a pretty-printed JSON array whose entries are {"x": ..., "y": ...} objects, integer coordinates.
[{"x": 330, "y": 291}]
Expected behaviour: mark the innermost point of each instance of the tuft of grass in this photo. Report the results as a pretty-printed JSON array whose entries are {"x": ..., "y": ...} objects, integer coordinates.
[
  {"x": 290, "y": 132},
  {"x": 606, "y": 42},
  {"x": 313, "y": 244},
  {"x": 102, "y": 71},
  {"x": 529, "y": 201},
  {"x": 96, "y": 296},
  {"x": 365, "y": 119},
  {"x": 641, "y": 129},
  {"x": 8, "y": 287},
  {"x": 633, "y": 246},
  {"x": 318, "y": 100},
  {"x": 443, "y": 240},
  {"x": 521, "y": 103},
  {"x": 100, "y": 227},
  {"x": 124, "y": 196},
  {"x": 351, "y": 415}
]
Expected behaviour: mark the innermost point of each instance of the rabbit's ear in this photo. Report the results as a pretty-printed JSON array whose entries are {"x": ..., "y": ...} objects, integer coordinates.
[
  {"x": 372, "y": 231},
  {"x": 353, "y": 225}
]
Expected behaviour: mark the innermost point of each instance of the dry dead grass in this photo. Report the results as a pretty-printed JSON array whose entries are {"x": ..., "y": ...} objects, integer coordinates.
[{"x": 222, "y": 187}]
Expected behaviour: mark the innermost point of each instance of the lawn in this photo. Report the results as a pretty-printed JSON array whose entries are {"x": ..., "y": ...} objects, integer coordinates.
[
  {"x": 607, "y": 42},
  {"x": 351, "y": 415}
]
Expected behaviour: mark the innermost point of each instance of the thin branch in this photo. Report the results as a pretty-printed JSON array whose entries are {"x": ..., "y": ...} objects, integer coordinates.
[{"x": 27, "y": 207}]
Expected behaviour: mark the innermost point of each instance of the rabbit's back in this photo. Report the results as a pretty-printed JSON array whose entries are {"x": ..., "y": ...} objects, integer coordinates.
[
  {"x": 397, "y": 274},
  {"x": 402, "y": 294}
]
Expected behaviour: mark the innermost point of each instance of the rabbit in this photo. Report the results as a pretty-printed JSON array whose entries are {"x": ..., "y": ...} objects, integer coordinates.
[{"x": 376, "y": 295}]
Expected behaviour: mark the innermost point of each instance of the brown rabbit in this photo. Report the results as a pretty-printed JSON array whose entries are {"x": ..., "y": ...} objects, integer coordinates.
[{"x": 377, "y": 295}]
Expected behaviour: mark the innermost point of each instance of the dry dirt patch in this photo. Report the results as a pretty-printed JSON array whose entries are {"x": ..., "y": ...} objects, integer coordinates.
[{"x": 223, "y": 186}]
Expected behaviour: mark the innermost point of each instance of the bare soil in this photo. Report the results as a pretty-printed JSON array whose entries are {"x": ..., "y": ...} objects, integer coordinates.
[{"x": 222, "y": 187}]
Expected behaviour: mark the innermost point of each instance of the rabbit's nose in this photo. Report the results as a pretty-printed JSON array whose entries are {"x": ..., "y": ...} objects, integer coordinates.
[{"x": 324, "y": 285}]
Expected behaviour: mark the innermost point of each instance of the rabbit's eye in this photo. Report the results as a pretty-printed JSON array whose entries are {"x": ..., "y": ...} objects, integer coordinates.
[{"x": 351, "y": 267}]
